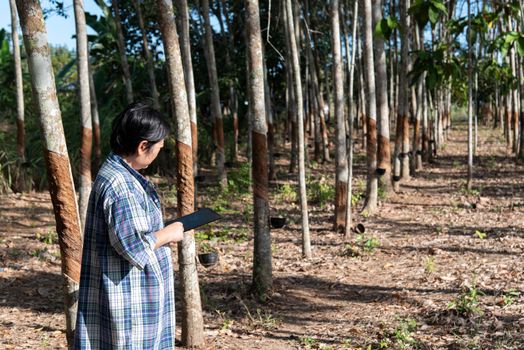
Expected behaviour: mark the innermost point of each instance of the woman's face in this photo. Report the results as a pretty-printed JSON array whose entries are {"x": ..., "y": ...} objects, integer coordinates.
[{"x": 146, "y": 154}]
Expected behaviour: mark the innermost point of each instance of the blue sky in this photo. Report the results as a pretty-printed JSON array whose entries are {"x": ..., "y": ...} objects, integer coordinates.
[{"x": 59, "y": 30}]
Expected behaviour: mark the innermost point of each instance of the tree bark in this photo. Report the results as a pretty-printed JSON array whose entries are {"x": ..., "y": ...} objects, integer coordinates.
[
  {"x": 122, "y": 50},
  {"x": 185, "y": 47},
  {"x": 417, "y": 134},
  {"x": 306, "y": 240},
  {"x": 192, "y": 322},
  {"x": 96, "y": 121},
  {"x": 372, "y": 180},
  {"x": 470, "y": 102},
  {"x": 262, "y": 269},
  {"x": 149, "y": 59},
  {"x": 341, "y": 178},
  {"x": 20, "y": 123},
  {"x": 61, "y": 186},
  {"x": 384, "y": 148},
  {"x": 215, "y": 95},
  {"x": 351, "y": 63},
  {"x": 85, "y": 110}
]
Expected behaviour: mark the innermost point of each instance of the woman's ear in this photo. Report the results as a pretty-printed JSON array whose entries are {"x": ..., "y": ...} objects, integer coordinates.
[{"x": 142, "y": 147}]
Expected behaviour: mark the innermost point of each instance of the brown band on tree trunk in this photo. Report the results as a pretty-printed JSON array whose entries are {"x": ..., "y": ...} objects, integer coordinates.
[
  {"x": 20, "y": 138},
  {"x": 219, "y": 123},
  {"x": 97, "y": 144},
  {"x": 185, "y": 194},
  {"x": 66, "y": 213},
  {"x": 86, "y": 151},
  {"x": 341, "y": 193},
  {"x": 384, "y": 153},
  {"x": 371, "y": 150},
  {"x": 260, "y": 165}
]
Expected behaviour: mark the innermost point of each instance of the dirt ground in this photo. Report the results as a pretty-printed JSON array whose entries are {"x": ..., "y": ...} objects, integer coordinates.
[{"x": 439, "y": 267}]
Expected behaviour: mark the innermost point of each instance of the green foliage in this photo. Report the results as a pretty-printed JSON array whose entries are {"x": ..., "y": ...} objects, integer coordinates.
[
  {"x": 509, "y": 297},
  {"x": 320, "y": 191},
  {"x": 429, "y": 264},
  {"x": 369, "y": 243},
  {"x": 424, "y": 11},
  {"x": 480, "y": 234},
  {"x": 403, "y": 334},
  {"x": 287, "y": 193},
  {"x": 386, "y": 27},
  {"x": 51, "y": 237},
  {"x": 239, "y": 180},
  {"x": 467, "y": 303}
]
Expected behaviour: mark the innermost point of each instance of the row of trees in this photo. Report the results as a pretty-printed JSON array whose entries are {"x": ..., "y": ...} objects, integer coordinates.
[{"x": 402, "y": 63}]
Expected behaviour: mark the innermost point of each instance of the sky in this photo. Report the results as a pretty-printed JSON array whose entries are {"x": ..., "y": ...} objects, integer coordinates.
[{"x": 60, "y": 30}]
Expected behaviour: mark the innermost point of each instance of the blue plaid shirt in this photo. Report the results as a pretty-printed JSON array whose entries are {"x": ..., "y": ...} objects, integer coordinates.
[{"x": 126, "y": 298}]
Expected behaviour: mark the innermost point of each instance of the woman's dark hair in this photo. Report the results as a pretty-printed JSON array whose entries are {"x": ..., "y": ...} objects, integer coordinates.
[{"x": 138, "y": 122}]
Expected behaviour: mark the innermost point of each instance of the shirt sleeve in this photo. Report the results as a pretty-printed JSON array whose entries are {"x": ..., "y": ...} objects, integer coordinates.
[{"x": 129, "y": 230}]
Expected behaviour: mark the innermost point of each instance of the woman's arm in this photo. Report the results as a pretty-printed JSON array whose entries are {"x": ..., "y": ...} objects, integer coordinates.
[{"x": 169, "y": 234}]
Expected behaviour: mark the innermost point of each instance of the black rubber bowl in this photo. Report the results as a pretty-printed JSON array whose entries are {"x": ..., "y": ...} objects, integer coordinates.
[
  {"x": 208, "y": 259},
  {"x": 277, "y": 222},
  {"x": 360, "y": 228}
]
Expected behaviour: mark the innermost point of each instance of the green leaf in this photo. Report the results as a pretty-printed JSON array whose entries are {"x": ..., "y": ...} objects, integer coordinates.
[
  {"x": 439, "y": 5},
  {"x": 433, "y": 15},
  {"x": 520, "y": 46}
]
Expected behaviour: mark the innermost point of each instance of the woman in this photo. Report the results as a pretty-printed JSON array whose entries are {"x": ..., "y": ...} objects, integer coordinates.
[{"x": 126, "y": 298}]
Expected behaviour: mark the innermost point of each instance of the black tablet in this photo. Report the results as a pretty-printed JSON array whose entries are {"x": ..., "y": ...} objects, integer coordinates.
[{"x": 199, "y": 218}]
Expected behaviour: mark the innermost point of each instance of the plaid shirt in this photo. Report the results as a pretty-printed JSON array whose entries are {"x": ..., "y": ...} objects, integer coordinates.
[{"x": 126, "y": 298}]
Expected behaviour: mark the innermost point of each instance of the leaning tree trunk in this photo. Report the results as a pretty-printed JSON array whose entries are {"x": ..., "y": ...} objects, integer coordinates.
[
  {"x": 262, "y": 270},
  {"x": 85, "y": 110},
  {"x": 306, "y": 239},
  {"x": 384, "y": 148},
  {"x": 149, "y": 59},
  {"x": 185, "y": 47},
  {"x": 215, "y": 96},
  {"x": 61, "y": 186},
  {"x": 122, "y": 51},
  {"x": 192, "y": 322},
  {"x": 20, "y": 124},
  {"x": 351, "y": 63},
  {"x": 341, "y": 181}
]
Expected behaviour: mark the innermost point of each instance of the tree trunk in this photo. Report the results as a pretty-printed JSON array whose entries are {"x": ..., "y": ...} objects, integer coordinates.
[
  {"x": 306, "y": 240},
  {"x": 406, "y": 63},
  {"x": 372, "y": 181},
  {"x": 262, "y": 270},
  {"x": 384, "y": 148},
  {"x": 341, "y": 181},
  {"x": 185, "y": 47},
  {"x": 122, "y": 50},
  {"x": 20, "y": 124},
  {"x": 192, "y": 322},
  {"x": 215, "y": 95},
  {"x": 351, "y": 63},
  {"x": 96, "y": 121},
  {"x": 85, "y": 110},
  {"x": 470, "y": 101},
  {"x": 147, "y": 54},
  {"x": 61, "y": 186},
  {"x": 417, "y": 134}
]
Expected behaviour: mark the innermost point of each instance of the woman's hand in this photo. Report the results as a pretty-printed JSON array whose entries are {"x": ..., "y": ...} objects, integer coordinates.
[
  {"x": 177, "y": 232},
  {"x": 169, "y": 234}
]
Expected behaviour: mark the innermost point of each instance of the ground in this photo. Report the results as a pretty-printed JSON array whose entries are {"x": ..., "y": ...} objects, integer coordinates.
[{"x": 438, "y": 267}]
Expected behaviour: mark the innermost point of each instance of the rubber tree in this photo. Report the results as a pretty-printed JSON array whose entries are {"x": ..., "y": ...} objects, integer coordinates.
[
  {"x": 85, "y": 109},
  {"x": 470, "y": 101},
  {"x": 192, "y": 322},
  {"x": 96, "y": 121},
  {"x": 262, "y": 270},
  {"x": 351, "y": 117},
  {"x": 295, "y": 64},
  {"x": 341, "y": 178},
  {"x": 216, "y": 110},
  {"x": 371, "y": 113},
  {"x": 147, "y": 53},
  {"x": 122, "y": 51},
  {"x": 20, "y": 123},
  {"x": 185, "y": 47},
  {"x": 384, "y": 148},
  {"x": 58, "y": 167}
]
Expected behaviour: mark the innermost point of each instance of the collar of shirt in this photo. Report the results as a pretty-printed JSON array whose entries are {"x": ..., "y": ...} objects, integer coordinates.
[{"x": 149, "y": 187}]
